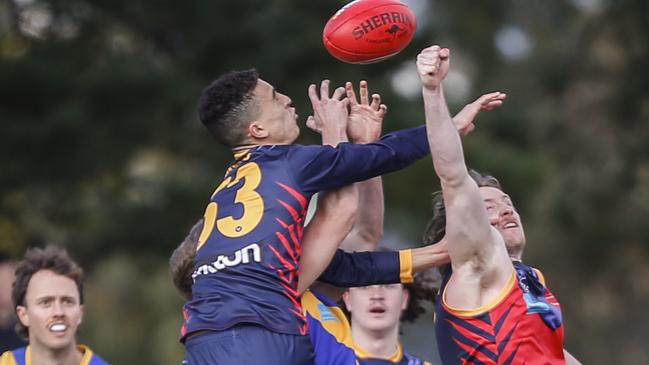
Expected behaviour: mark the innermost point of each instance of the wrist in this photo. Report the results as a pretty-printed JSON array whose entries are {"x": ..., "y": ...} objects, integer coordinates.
[
  {"x": 362, "y": 140},
  {"x": 431, "y": 90}
]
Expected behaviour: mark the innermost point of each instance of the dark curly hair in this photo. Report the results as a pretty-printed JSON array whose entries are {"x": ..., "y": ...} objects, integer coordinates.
[
  {"x": 422, "y": 289},
  {"x": 226, "y": 107},
  {"x": 181, "y": 263},
  {"x": 37, "y": 259}
]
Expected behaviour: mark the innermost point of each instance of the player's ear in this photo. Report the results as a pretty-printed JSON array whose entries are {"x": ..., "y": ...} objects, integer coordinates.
[
  {"x": 257, "y": 131},
  {"x": 346, "y": 300},
  {"x": 23, "y": 316},
  {"x": 405, "y": 299},
  {"x": 81, "y": 312}
]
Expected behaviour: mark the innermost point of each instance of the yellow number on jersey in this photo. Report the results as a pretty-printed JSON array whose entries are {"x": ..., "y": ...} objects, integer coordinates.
[{"x": 253, "y": 206}]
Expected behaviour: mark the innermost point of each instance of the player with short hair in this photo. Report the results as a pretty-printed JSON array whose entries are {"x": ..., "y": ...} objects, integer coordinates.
[
  {"x": 248, "y": 255},
  {"x": 376, "y": 313},
  {"x": 48, "y": 297},
  {"x": 493, "y": 308}
]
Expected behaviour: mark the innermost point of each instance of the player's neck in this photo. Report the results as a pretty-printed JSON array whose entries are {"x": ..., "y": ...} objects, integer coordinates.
[
  {"x": 381, "y": 344},
  {"x": 41, "y": 355}
]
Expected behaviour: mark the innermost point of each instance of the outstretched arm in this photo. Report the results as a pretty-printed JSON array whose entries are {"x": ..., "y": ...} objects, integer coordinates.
[
  {"x": 475, "y": 248},
  {"x": 336, "y": 211},
  {"x": 364, "y": 126},
  {"x": 380, "y": 267}
]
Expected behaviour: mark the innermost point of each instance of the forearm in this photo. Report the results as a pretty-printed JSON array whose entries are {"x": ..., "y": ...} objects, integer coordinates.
[
  {"x": 427, "y": 257},
  {"x": 443, "y": 138},
  {"x": 368, "y": 228},
  {"x": 367, "y": 268},
  {"x": 333, "y": 220},
  {"x": 320, "y": 168}
]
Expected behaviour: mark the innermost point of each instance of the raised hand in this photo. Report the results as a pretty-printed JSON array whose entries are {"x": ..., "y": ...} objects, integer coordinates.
[
  {"x": 464, "y": 119},
  {"x": 329, "y": 113},
  {"x": 365, "y": 118},
  {"x": 432, "y": 65}
]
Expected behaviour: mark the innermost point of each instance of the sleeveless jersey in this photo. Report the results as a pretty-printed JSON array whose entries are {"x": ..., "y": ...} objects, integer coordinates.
[
  {"x": 248, "y": 253},
  {"x": 523, "y": 325}
]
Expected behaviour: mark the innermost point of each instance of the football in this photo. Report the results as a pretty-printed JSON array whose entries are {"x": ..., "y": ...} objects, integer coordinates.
[{"x": 366, "y": 31}]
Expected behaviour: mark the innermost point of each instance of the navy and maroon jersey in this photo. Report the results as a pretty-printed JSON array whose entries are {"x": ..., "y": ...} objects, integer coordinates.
[
  {"x": 22, "y": 356},
  {"x": 248, "y": 252},
  {"x": 523, "y": 325}
]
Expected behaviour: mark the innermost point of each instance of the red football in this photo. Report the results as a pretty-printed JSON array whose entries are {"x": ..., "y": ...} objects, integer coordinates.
[{"x": 365, "y": 31}]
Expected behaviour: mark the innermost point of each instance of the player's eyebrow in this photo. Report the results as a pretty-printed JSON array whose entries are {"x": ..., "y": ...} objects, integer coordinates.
[{"x": 502, "y": 197}]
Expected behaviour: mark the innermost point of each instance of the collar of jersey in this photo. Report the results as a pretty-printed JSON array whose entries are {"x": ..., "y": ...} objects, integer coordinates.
[
  {"x": 85, "y": 359},
  {"x": 395, "y": 357}
]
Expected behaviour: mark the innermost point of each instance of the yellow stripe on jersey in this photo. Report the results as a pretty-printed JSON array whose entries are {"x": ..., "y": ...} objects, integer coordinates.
[
  {"x": 87, "y": 354},
  {"x": 338, "y": 326},
  {"x": 396, "y": 356},
  {"x": 7, "y": 358},
  {"x": 485, "y": 308},
  {"x": 541, "y": 277},
  {"x": 405, "y": 264}
]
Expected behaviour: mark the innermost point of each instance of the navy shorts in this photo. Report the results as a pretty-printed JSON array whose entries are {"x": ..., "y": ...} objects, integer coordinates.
[{"x": 248, "y": 344}]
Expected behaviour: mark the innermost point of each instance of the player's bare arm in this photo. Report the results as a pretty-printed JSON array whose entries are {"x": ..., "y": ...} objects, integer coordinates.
[
  {"x": 364, "y": 125},
  {"x": 331, "y": 223},
  {"x": 336, "y": 212},
  {"x": 428, "y": 257},
  {"x": 472, "y": 243}
]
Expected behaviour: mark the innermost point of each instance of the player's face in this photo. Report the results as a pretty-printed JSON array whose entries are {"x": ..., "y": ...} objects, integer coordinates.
[
  {"x": 277, "y": 113},
  {"x": 376, "y": 307},
  {"x": 52, "y": 310},
  {"x": 503, "y": 217}
]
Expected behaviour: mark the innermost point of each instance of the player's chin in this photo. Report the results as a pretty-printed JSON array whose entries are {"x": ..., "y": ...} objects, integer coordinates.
[
  {"x": 514, "y": 239},
  {"x": 60, "y": 343}
]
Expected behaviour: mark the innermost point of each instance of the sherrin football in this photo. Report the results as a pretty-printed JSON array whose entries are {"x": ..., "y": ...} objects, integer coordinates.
[{"x": 366, "y": 31}]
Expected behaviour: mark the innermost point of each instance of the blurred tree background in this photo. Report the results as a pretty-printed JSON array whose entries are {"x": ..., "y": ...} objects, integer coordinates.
[{"x": 102, "y": 151}]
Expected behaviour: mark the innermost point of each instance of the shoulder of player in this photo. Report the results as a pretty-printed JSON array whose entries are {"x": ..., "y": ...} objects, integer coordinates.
[
  {"x": 90, "y": 357},
  {"x": 8, "y": 358}
]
